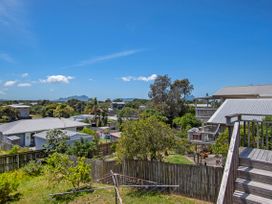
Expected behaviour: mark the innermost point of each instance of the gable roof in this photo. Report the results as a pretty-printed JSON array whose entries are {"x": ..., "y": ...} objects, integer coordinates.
[
  {"x": 37, "y": 125},
  {"x": 263, "y": 91},
  {"x": 242, "y": 106}
]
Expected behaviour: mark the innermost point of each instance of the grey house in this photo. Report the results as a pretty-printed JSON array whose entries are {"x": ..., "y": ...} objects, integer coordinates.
[
  {"x": 23, "y": 110},
  {"x": 40, "y": 138},
  {"x": 26, "y": 129}
]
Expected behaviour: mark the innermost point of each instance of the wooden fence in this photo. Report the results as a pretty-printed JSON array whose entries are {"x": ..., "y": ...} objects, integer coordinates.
[
  {"x": 14, "y": 161},
  {"x": 202, "y": 182}
]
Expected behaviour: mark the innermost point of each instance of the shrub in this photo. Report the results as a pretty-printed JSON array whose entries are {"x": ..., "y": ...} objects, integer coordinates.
[
  {"x": 62, "y": 168},
  {"x": 221, "y": 144},
  {"x": 8, "y": 187},
  {"x": 33, "y": 168}
]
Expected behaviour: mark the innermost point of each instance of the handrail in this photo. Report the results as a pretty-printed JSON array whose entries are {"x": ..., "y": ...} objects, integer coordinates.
[{"x": 227, "y": 187}]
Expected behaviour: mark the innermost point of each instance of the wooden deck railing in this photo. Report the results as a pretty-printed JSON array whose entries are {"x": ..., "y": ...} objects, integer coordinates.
[{"x": 227, "y": 187}]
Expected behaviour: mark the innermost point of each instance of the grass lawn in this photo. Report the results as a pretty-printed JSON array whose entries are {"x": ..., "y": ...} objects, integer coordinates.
[
  {"x": 37, "y": 189},
  {"x": 177, "y": 159}
]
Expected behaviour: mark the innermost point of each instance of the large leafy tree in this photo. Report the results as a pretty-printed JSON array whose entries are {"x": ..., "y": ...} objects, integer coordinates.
[
  {"x": 77, "y": 105},
  {"x": 168, "y": 97},
  {"x": 146, "y": 139},
  {"x": 63, "y": 110},
  {"x": 8, "y": 114}
]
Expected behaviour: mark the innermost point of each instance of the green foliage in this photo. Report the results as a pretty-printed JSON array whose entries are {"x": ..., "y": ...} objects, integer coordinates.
[
  {"x": 14, "y": 150},
  {"x": 146, "y": 139},
  {"x": 187, "y": 121},
  {"x": 128, "y": 113},
  {"x": 56, "y": 141},
  {"x": 88, "y": 131},
  {"x": 61, "y": 167},
  {"x": 82, "y": 148},
  {"x": 153, "y": 113},
  {"x": 8, "y": 187},
  {"x": 8, "y": 114},
  {"x": 77, "y": 105},
  {"x": 33, "y": 168},
  {"x": 221, "y": 145},
  {"x": 168, "y": 97},
  {"x": 63, "y": 110}
]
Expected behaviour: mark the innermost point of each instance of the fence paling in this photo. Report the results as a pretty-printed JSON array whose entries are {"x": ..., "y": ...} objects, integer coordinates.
[
  {"x": 15, "y": 161},
  {"x": 202, "y": 182}
]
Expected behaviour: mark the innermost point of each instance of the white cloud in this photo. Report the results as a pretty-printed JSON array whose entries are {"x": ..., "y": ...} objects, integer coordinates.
[
  {"x": 140, "y": 78},
  {"x": 57, "y": 79},
  {"x": 6, "y": 57},
  {"x": 9, "y": 83},
  {"x": 24, "y": 85},
  {"x": 105, "y": 58},
  {"x": 24, "y": 75}
]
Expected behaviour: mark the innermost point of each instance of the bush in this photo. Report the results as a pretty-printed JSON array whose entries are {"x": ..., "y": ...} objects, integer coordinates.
[
  {"x": 221, "y": 145},
  {"x": 33, "y": 168},
  {"x": 8, "y": 187},
  {"x": 62, "y": 168}
]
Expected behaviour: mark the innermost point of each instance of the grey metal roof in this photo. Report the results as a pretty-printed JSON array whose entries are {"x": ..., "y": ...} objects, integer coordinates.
[
  {"x": 37, "y": 125},
  {"x": 71, "y": 134},
  {"x": 242, "y": 106},
  {"x": 264, "y": 91}
]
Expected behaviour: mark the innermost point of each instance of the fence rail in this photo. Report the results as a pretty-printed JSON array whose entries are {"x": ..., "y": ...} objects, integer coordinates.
[
  {"x": 14, "y": 161},
  {"x": 202, "y": 182}
]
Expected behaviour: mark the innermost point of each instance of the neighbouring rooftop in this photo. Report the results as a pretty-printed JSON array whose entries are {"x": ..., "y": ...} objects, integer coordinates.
[
  {"x": 242, "y": 106},
  {"x": 252, "y": 91},
  {"x": 37, "y": 125}
]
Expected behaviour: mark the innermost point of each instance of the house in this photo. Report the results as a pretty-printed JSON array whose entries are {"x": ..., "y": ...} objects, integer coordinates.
[
  {"x": 23, "y": 110},
  {"x": 25, "y": 129},
  {"x": 114, "y": 136},
  {"x": 72, "y": 137},
  {"x": 117, "y": 105},
  {"x": 230, "y": 92},
  {"x": 82, "y": 117},
  {"x": 251, "y": 109}
]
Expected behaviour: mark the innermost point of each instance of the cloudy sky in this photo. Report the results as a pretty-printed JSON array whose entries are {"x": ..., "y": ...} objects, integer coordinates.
[{"x": 116, "y": 48}]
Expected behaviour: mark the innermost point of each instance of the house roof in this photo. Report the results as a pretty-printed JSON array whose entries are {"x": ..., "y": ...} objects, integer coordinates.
[
  {"x": 242, "y": 106},
  {"x": 37, "y": 125},
  {"x": 116, "y": 134},
  {"x": 263, "y": 91},
  {"x": 18, "y": 106},
  {"x": 72, "y": 135}
]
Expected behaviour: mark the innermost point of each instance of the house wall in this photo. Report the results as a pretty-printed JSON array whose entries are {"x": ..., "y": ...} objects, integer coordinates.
[
  {"x": 21, "y": 136},
  {"x": 23, "y": 112},
  {"x": 39, "y": 142}
]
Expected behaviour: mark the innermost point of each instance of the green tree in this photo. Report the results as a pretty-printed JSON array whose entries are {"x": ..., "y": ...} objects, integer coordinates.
[
  {"x": 82, "y": 148},
  {"x": 56, "y": 141},
  {"x": 221, "y": 145},
  {"x": 8, "y": 114},
  {"x": 128, "y": 113},
  {"x": 168, "y": 97},
  {"x": 63, "y": 110},
  {"x": 146, "y": 139},
  {"x": 62, "y": 168},
  {"x": 187, "y": 121}
]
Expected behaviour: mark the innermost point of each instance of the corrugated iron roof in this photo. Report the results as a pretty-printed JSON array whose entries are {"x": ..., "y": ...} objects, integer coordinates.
[
  {"x": 264, "y": 91},
  {"x": 36, "y": 125},
  {"x": 242, "y": 106}
]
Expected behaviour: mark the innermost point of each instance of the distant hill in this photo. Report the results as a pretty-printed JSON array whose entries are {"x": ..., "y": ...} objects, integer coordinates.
[{"x": 81, "y": 98}]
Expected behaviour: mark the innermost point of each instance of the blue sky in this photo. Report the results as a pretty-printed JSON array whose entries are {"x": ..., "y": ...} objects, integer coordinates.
[{"x": 116, "y": 48}]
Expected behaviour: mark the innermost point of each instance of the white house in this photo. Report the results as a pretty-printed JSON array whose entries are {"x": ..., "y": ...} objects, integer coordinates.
[
  {"x": 25, "y": 129},
  {"x": 72, "y": 136},
  {"x": 22, "y": 109}
]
